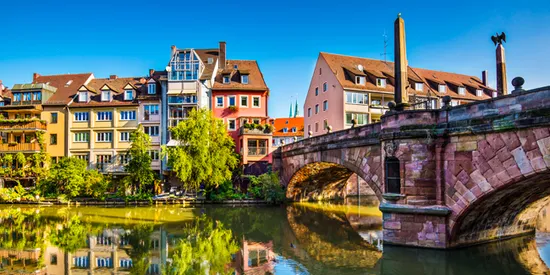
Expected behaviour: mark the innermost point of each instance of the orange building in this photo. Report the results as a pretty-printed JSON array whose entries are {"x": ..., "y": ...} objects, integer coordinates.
[{"x": 287, "y": 130}]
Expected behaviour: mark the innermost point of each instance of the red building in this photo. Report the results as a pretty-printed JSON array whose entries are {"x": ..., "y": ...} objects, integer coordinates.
[{"x": 239, "y": 97}]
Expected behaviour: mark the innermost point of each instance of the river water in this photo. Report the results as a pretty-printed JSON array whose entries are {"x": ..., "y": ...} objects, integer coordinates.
[{"x": 302, "y": 238}]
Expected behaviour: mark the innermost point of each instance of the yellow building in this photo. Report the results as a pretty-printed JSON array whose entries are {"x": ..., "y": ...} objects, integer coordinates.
[{"x": 100, "y": 120}]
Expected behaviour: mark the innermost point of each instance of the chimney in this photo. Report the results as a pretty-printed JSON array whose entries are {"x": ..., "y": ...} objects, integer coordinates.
[
  {"x": 173, "y": 49},
  {"x": 400, "y": 64},
  {"x": 485, "y": 78},
  {"x": 151, "y": 72},
  {"x": 35, "y": 76},
  {"x": 113, "y": 76},
  {"x": 502, "y": 86},
  {"x": 222, "y": 55},
  {"x": 2, "y": 87}
]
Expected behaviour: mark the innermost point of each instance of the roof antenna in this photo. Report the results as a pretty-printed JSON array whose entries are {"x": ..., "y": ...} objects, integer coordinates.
[{"x": 385, "y": 46}]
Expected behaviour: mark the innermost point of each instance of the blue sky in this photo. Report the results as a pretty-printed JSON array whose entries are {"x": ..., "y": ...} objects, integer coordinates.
[{"x": 129, "y": 37}]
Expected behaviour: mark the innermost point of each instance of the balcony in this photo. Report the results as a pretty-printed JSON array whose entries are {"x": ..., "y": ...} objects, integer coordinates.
[
  {"x": 19, "y": 147},
  {"x": 251, "y": 130},
  {"x": 22, "y": 124},
  {"x": 257, "y": 151}
]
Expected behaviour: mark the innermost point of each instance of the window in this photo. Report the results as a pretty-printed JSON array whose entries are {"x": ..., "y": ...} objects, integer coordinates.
[
  {"x": 219, "y": 101},
  {"x": 184, "y": 66},
  {"x": 316, "y": 108},
  {"x": 231, "y": 124},
  {"x": 360, "y": 118},
  {"x": 316, "y": 91},
  {"x": 27, "y": 115},
  {"x": 461, "y": 90},
  {"x": 151, "y": 88},
  {"x": 256, "y": 121},
  {"x": 124, "y": 136},
  {"x": 128, "y": 115},
  {"x": 84, "y": 157},
  {"x": 81, "y": 137},
  {"x": 104, "y": 116},
  {"x": 83, "y": 96},
  {"x": 155, "y": 155},
  {"x": 244, "y": 101},
  {"x": 104, "y": 158},
  {"x": 232, "y": 100},
  {"x": 376, "y": 102},
  {"x": 325, "y": 87},
  {"x": 454, "y": 103},
  {"x": 325, "y": 105},
  {"x": 256, "y": 101},
  {"x": 151, "y": 109},
  {"x": 37, "y": 96},
  {"x": 27, "y": 96},
  {"x": 151, "y": 130},
  {"x": 325, "y": 124},
  {"x": 285, "y": 130},
  {"x": 226, "y": 79},
  {"x": 381, "y": 82},
  {"x": 308, "y": 112},
  {"x": 53, "y": 139},
  {"x": 293, "y": 129},
  {"x": 53, "y": 118},
  {"x": 124, "y": 158},
  {"x": 393, "y": 177},
  {"x": 442, "y": 88},
  {"x": 128, "y": 95},
  {"x": 357, "y": 98},
  {"x": 16, "y": 96},
  {"x": 105, "y": 95},
  {"x": 53, "y": 259},
  {"x": 479, "y": 93},
  {"x": 308, "y": 128},
  {"x": 28, "y": 138},
  {"x": 244, "y": 79},
  {"x": 316, "y": 127},
  {"x": 81, "y": 116},
  {"x": 104, "y": 136},
  {"x": 360, "y": 80},
  {"x": 419, "y": 86}
]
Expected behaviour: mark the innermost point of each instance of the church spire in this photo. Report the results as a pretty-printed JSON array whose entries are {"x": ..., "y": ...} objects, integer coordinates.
[
  {"x": 296, "y": 113},
  {"x": 290, "y": 114}
]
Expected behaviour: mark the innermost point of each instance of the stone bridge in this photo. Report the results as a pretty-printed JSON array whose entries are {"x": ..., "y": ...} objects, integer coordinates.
[{"x": 445, "y": 178}]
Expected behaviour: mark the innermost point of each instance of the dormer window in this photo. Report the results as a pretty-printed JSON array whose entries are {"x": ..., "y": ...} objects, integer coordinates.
[
  {"x": 151, "y": 88},
  {"x": 236, "y": 67},
  {"x": 105, "y": 95},
  {"x": 419, "y": 86},
  {"x": 244, "y": 79},
  {"x": 83, "y": 96},
  {"x": 128, "y": 95},
  {"x": 442, "y": 88},
  {"x": 381, "y": 82},
  {"x": 479, "y": 93},
  {"x": 294, "y": 129},
  {"x": 210, "y": 60},
  {"x": 226, "y": 79},
  {"x": 285, "y": 130},
  {"x": 360, "y": 80},
  {"x": 461, "y": 90}
]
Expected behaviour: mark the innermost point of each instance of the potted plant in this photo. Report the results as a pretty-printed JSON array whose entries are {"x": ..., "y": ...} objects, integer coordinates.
[{"x": 233, "y": 108}]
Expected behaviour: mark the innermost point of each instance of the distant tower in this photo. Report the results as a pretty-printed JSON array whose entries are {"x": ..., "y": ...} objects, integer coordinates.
[
  {"x": 296, "y": 113},
  {"x": 290, "y": 114}
]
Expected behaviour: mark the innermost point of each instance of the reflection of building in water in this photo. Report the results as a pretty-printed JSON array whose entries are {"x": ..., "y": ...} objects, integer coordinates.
[
  {"x": 254, "y": 258},
  {"x": 20, "y": 262},
  {"x": 543, "y": 220}
]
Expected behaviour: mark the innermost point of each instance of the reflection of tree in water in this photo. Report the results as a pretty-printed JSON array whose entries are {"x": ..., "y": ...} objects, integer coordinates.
[
  {"x": 71, "y": 236},
  {"x": 329, "y": 238},
  {"x": 140, "y": 251}
]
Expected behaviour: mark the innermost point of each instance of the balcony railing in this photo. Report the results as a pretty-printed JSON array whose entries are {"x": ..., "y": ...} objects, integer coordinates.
[
  {"x": 19, "y": 147},
  {"x": 247, "y": 131},
  {"x": 22, "y": 124},
  {"x": 257, "y": 151}
]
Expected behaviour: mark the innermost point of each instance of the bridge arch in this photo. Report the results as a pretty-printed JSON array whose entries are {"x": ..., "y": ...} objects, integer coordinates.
[
  {"x": 363, "y": 161},
  {"x": 497, "y": 190}
]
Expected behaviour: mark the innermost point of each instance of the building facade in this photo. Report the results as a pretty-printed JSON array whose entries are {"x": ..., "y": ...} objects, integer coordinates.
[
  {"x": 287, "y": 130},
  {"x": 348, "y": 89}
]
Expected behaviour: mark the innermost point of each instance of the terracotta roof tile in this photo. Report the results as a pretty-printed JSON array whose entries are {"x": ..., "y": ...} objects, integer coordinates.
[
  {"x": 255, "y": 76},
  {"x": 117, "y": 86},
  {"x": 378, "y": 68},
  {"x": 281, "y": 123},
  {"x": 66, "y": 84},
  {"x": 204, "y": 55}
]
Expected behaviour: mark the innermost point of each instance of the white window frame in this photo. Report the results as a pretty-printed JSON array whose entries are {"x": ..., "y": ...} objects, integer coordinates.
[
  {"x": 84, "y": 137},
  {"x": 418, "y": 86},
  {"x": 442, "y": 88},
  {"x": 105, "y": 116},
  {"x": 479, "y": 93},
  {"x": 259, "y": 101},
  {"x": 155, "y": 155},
  {"x": 149, "y": 106},
  {"x": 381, "y": 82},
  {"x": 148, "y": 130},
  {"x": 81, "y": 114},
  {"x": 285, "y": 130},
  {"x": 241, "y": 101},
  {"x": 229, "y": 100},
  {"x": 105, "y": 136},
  {"x": 126, "y": 94},
  {"x": 217, "y": 102},
  {"x": 129, "y": 117},
  {"x": 293, "y": 129},
  {"x": 226, "y": 79},
  {"x": 360, "y": 80},
  {"x": 461, "y": 90},
  {"x": 82, "y": 96},
  {"x": 123, "y": 135},
  {"x": 106, "y": 95},
  {"x": 244, "y": 79},
  {"x": 229, "y": 124},
  {"x": 151, "y": 88}
]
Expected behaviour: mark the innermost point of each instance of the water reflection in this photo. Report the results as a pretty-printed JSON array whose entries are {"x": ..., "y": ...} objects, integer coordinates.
[{"x": 306, "y": 238}]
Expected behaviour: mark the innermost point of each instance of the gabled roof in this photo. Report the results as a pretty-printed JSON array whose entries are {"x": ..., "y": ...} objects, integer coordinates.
[
  {"x": 249, "y": 67},
  {"x": 378, "y": 68},
  {"x": 285, "y": 122},
  {"x": 204, "y": 54},
  {"x": 66, "y": 84},
  {"x": 116, "y": 85}
]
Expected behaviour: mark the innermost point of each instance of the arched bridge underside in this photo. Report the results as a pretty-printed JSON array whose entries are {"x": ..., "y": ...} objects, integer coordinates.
[{"x": 467, "y": 174}]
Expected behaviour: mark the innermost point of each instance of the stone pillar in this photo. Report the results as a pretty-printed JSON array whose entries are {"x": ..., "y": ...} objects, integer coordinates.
[
  {"x": 401, "y": 65},
  {"x": 502, "y": 86}
]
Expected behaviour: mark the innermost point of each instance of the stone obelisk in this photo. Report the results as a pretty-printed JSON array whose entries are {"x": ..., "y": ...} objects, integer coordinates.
[
  {"x": 400, "y": 65},
  {"x": 502, "y": 87}
]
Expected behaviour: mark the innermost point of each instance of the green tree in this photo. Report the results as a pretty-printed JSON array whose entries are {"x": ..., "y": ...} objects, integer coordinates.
[
  {"x": 206, "y": 153},
  {"x": 139, "y": 167},
  {"x": 68, "y": 177},
  {"x": 95, "y": 184},
  {"x": 267, "y": 186}
]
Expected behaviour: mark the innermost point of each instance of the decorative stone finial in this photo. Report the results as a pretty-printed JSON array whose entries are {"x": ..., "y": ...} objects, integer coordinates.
[
  {"x": 282, "y": 141},
  {"x": 391, "y": 105},
  {"x": 447, "y": 101},
  {"x": 518, "y": 82},
  {"x": 295, "y": 138},
  {"x": 399, "y": 15},
  {"x": 310, "y": 133},
  {"x": 329, "y": 129},
  {"x": 353, "y": 123}
]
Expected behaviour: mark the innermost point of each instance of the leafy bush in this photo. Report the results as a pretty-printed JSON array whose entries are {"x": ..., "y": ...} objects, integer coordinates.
[
  {"x": 267, "y": 186},
  {"x": 225, "y": 191}
]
